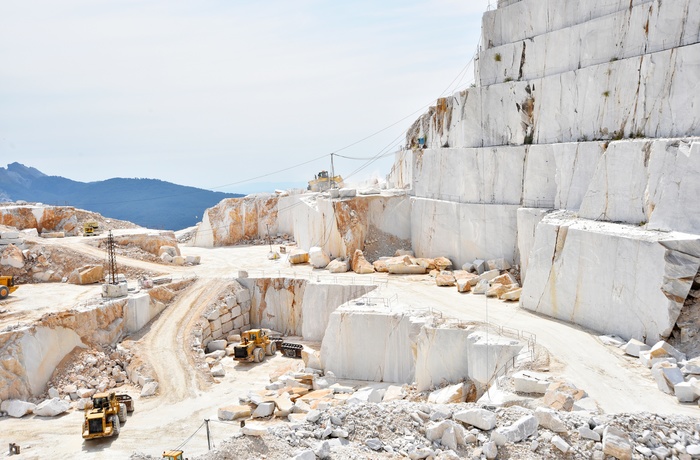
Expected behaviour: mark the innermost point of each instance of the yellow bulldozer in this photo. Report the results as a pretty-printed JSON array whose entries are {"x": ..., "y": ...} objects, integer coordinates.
[
  {"x": 322, "y": 181},
  {"x": 173, "y": 455},
  {"x": 7, "y": 286},
  {"x": 254, "y": 346},
  {"x": 107, "y": 414}
]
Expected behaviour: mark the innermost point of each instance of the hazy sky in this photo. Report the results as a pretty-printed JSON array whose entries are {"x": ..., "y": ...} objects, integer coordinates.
[{"x": 211, "y": 92}]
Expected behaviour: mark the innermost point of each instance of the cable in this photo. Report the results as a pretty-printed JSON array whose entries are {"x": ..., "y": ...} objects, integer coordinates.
[{"x": 191, "y": 436}]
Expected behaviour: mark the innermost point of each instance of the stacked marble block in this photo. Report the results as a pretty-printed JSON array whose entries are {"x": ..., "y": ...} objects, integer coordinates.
[{"x": 231, "y": 316}]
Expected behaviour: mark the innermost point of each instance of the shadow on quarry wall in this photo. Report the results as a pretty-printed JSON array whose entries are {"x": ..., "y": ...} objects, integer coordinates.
[{"x": 298, "y": 307}]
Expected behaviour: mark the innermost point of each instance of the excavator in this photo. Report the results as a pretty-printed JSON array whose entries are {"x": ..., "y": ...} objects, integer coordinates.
[
  {"x": 7, "y": 286},
  {"x": 322, "y": 181}
]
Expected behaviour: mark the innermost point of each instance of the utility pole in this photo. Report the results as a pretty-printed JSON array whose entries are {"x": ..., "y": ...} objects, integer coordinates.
[
  {"x": 112, "y": 259},
  {"x": 332, "y": 179},
  {"x": 206, "y": 420}
]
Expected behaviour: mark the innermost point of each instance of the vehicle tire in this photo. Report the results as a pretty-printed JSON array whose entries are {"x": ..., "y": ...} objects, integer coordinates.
[
  {"x": 271, "y": 348},
  {"x": 131, "y": 407},
  {"x": 258, "y": 355},
  {"x": 4, "y": 292},
  {"x": 115, "y": 425},
  {"x": 122, "y": 412}
]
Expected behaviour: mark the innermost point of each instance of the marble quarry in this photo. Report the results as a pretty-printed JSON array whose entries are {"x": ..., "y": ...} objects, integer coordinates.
[{"x": 581, "y": 167}]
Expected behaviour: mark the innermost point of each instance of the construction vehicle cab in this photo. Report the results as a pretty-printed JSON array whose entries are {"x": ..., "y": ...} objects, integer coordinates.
[
  {"x": 7, "y": 286},
  {"x": 173, "y": 455},
  {"x": 254, "y": 345}
]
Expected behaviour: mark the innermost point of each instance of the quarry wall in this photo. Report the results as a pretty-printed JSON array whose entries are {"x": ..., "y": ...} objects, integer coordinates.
[
  {"x": 30, "y": 353},
  {"x": 584, "y": 107}
]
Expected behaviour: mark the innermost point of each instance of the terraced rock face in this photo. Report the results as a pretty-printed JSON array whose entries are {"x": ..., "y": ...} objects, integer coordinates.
[{"x": 586, "y": 107}]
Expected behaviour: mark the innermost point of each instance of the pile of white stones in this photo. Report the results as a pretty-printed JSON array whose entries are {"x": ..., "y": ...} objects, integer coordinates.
[
  {"x": 91, "y": 372},
  {"x": 673, "y": 373},
  {"x": 319, "y": 418}
]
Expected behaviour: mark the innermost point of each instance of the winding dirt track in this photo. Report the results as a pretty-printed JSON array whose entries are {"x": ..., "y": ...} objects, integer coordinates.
[{"x": 166, "y": 345}]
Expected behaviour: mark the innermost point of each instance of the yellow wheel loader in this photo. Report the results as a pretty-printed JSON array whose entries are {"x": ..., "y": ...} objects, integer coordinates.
[
  {"x": 7, "y": 286},
  {"x": 255, "y": 344},
  {"x": 173, "y": 455},
  {"x": 107, "y": 414}
]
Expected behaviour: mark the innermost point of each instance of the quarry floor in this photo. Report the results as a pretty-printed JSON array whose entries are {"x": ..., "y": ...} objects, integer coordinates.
[{"x": 615, "y": 381}]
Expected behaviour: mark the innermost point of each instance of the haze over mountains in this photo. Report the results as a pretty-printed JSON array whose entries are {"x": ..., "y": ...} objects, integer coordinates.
[{"x": 150, "y": 203}]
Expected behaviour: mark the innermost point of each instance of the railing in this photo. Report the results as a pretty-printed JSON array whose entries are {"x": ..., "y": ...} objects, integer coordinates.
[{"x": 527, "y": 354}]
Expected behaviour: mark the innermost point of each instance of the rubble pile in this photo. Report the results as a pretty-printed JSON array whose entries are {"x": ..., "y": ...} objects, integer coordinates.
[
  {"x": 90, "y": 372},
  {"x": 317, "y": 417},
  {"x": 49, "y": 263},
  {"x": 86, "y": 372},
  {"x": 673, "y": 373}
]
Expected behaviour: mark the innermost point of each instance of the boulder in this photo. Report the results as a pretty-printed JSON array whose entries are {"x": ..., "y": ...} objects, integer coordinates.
[
  {"x": 560, "y": 444},
  {"x": 179, "y": 260},
  {"x": 481, "y": 287},
  {"x": 234, "y": 412},
  {"x": 480, "y": 266},
  {"x": 489, "y": 275},
  {"x": 490, "y": 450},
  {"x": 215, "y": 345},
  {"x": 218, "y": 370},
  {"x": 562, "y": 396},
  {"x": 17, "y": 408},
  {"x": 51, "y": 407},
  {"x": 480, "y": 418},
  {"x": 298, "y": 256},
  {"x": 254, "y": 429},
  {"x": 685, "y": 392},
  {"x": 167, "y": 258},
  {"x": 662, "y": 349},
  {"x": 549, "y": 419},
  {"x": 523, "y": 428},
  {"x": 12, "y": 257},
  {"x": 404, "y": 269},
  {"x": 360, "y": 264},
  {"x": 666, "y": 375},
  {"x": 338, "y": 266},
  {"x": 394, "y": 392},
  {"x": 463, "y": 285},
  {"x": 318, "y": 258},
  {"x": 87, "y": 275},
  {"x": 496, "y": 290},
  {"x": 442, "y": 263},
  {"x": 450, "y": 394},
  {"x": 380, "y": 266},
  {"x": 264, "y": 409},
  {"x": 367, "y": 394},
  {"x": 149, "y": 389},
  {"x": 617, "y": 443},
  {"x": 513, "y": 295},
  {"x": 445, "y": 279},
  {"x": 168, "y": 249},
  {"x": 634, "y": 346},
  {"x": 505, "y": 279},
  {"x": 526, "y": 382},
  {"x": 498, "y": 264}
]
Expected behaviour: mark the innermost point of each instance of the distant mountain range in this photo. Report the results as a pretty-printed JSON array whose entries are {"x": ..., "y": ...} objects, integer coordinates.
[{"x": 150, "y": 203}]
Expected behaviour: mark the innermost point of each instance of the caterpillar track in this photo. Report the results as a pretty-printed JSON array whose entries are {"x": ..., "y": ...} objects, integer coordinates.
[{"x": 288, "y": 349}]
